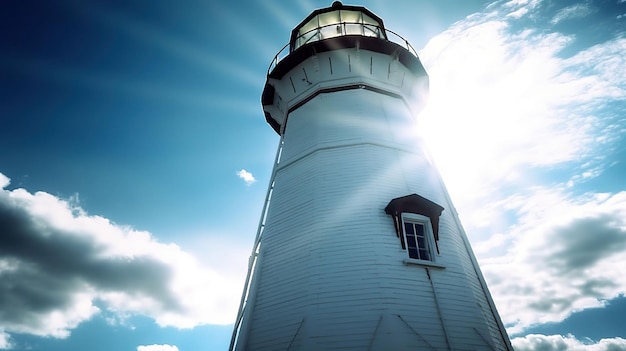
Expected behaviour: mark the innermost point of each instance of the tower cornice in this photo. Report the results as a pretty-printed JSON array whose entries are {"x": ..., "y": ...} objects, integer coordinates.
[{"x": 342, "y": 63}]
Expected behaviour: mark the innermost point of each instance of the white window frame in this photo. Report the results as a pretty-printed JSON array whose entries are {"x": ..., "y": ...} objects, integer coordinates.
[{"x": 428, "y": 236}]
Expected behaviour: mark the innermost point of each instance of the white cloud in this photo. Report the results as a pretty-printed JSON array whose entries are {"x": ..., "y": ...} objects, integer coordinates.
[
  {"x": 571, "y": 12},
  {"x": 538, "y": 342},
  {"x": 246, "y": 176},
  {"x": 517, "y": 8},
  {"x": 518, "y": 13},
  {"x": 60, "y": 266},
  {"x": 560, "y": 257},
  {"x": 4, "y": 181},
  {"x": 5, "y": 339},
  {"x": 504, "y": 106},
  {"x": 155, "y": 347}
]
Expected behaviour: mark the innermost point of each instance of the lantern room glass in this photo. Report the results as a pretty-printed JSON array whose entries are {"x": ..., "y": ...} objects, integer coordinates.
[{"x": 338, "y": 23}]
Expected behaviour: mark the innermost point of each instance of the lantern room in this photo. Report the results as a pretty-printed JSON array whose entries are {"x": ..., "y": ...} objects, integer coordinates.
[{"x": 335, "y": 21}]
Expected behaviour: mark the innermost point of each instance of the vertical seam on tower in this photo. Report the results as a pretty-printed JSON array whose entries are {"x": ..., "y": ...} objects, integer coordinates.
[
  {"x": 296, "y": 334},
  {"x": 369, "y": 347},
  {"x": 292, "y": 86},
  {"x": 443, "y": 324},
  {"x": 349, "y": 64},
  {"x": 306, "y": 77}
]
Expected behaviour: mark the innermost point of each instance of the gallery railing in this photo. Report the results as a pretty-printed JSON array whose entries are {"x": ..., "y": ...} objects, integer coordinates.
[{"x": 337, "y": 30}]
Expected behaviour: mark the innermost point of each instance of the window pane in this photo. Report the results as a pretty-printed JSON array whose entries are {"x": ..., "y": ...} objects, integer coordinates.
[
  {"x": 330, "y": 31},
  {"x": 369, "y": 20},
  {"x": 419, "y": 229},
  {"x": 308, "y": 37},
  {"x": 421, "y": 242},
  {"x": 410, "y": 241},
  {"x": 354, "y": 29},
  {"x": 424, "y": 254},
  {"x": 413, "y": 253},
  {"x": 309, "y": 26},
  {"x": 408, "y": 228},
  {"x": 328, "y": 18},
  {"x": 371, "y": 31},
  {"x": 351, "y": 16}
]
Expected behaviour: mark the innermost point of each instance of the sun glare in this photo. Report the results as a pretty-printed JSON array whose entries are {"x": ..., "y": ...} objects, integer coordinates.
[{"x": 493, "y": 106}]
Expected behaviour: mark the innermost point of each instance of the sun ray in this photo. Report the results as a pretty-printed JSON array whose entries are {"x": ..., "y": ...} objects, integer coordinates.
[
  {"x": 173, "y": 45},
  {"x": 286, "y": 20}
]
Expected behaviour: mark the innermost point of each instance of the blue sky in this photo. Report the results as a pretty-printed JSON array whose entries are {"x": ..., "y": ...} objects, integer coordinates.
[{"x": 134, "y": 161}]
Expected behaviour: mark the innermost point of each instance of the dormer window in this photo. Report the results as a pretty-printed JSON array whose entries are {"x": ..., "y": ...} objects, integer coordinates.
[{"x": 416, "y": 220}]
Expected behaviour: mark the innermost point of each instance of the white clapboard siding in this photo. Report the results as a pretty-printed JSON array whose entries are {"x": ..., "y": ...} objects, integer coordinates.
[{"x": 332, "y": 264}]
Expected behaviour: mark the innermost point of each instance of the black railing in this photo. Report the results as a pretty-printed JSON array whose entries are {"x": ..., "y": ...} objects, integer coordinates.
[{"x": 337, "y": 30}]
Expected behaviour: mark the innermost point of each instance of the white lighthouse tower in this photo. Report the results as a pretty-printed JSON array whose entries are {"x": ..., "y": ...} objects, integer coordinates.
[{"x": 359, "y": 246}]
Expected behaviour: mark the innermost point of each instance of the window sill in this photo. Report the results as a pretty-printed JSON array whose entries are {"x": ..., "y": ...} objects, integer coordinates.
[{"x": 414, "y": 262}]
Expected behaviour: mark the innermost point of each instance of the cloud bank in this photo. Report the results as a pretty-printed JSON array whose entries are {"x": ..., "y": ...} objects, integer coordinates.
[
  {"x": 535, "y": 342},
  {"x": 562, "y": 257},
  {"x": 60, "y": 266}
]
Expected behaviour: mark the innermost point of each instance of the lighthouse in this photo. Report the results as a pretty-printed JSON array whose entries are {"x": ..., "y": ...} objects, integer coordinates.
[{"x": 359, "y": 246}]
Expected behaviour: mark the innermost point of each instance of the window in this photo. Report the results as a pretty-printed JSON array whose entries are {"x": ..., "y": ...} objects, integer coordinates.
[
  {"x": 416, "y": 222},
  {"x": 417, "y": 236}
]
